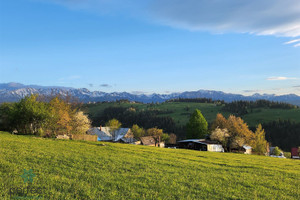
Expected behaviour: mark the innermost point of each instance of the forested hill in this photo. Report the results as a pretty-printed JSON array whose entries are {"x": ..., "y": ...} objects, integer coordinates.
[{"x": 281, "y": 121}]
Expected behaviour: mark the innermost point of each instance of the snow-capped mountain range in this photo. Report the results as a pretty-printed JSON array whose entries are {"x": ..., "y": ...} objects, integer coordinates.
[{"x": 11, "y": 92}]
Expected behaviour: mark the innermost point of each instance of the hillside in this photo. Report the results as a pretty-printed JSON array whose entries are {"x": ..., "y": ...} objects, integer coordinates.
[
  {"x": 180, "y": 111},
  {"x": 89, "y": 170}
]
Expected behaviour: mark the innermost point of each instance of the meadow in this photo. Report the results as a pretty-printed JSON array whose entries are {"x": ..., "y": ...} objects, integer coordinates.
[
  {"x": 67, "y": 169},
  {"x": 181, "y": 111}
]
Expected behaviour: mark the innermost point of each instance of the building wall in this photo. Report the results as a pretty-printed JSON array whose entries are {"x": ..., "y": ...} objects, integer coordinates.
[{"x": 215, "y": 147}]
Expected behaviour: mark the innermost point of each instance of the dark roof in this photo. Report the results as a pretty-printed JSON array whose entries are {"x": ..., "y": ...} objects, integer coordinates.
[
  {"x": 191, "y": 140},
  {"x": 199, "y": 141}
]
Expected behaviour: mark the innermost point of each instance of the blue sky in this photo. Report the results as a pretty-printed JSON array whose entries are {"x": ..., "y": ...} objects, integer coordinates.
[{"x": 155, "y": 46}]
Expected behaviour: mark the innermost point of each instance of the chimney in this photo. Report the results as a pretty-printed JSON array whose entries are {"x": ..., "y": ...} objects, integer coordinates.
[{"x": 100, "y": 128}]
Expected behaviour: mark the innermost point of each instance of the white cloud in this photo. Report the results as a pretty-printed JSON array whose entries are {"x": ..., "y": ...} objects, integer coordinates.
[
  {"x": 292, "y": 41},
  {"x": 297, "y": 45},
  {"x": 261, "y": 17},
  {"x": 267, "y": 17},
  {"x": 280, "y": 78}
]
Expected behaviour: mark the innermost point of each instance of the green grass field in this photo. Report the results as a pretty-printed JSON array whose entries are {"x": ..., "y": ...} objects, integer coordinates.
[
  {"x": 181, "y": 115},
  {"x": 89, "y": 170}
]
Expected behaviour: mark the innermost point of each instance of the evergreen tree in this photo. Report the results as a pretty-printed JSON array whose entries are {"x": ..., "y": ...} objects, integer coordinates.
[
  {"x": 197, "y": 126},
  {"x": 260, "y": 144}
]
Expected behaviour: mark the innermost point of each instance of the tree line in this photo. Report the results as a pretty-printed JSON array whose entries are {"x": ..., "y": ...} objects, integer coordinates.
[
  {"x": 240, "y": 108},
  {"x": 198, "y": 100},
  {"x": 37, "y": 116},
  {"x": 283, "y": 133}
]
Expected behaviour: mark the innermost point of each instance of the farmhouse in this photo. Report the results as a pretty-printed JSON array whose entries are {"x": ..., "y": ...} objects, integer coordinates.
[
  {"x": 123, "y": 135},
  {"x": 150, "y": 141},
  {"x": 201, "y": 144}
]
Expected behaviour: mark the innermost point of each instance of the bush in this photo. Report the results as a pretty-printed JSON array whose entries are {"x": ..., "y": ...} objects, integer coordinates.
[{"x": 276, "y": 151}]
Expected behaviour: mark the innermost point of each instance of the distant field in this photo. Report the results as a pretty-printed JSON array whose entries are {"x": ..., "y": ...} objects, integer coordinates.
[
  {"x": 181, "y": 114},
  {"x": 88, "y": 170}
]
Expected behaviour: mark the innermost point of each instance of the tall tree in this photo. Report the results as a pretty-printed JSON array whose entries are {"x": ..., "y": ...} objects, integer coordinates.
[
  {"x": 61, "y": 117},
  {"x": 197, "y": 125},
  {"x": 239, "y": 132},
  {"x": 260, "y": 144}
]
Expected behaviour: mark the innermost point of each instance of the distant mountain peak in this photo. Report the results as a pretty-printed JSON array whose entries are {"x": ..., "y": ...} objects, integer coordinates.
[{"x": 10, "y": 92}]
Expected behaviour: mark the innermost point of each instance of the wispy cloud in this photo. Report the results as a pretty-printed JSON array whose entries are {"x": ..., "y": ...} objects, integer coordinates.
[
  {"x": 267, "y": 17},
  {"x": 280, "y": 78},
  {"x": 105, "y": 85},
  {"x": 297, "y": 41},
  {"x": 292, "y": 41},
  {"x": 297, "y": 45},
  {"x": 91, "y": 85},
  {"x": 296, "y": 86}
]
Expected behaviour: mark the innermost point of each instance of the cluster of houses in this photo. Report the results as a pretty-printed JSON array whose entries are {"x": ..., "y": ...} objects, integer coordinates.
[{"x": 124, "y": 135}]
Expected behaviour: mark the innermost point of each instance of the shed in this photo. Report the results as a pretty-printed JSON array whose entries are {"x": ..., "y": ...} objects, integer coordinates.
[
  {"x": 201, "y": 144},
  {"x": 150, "y": 141}
]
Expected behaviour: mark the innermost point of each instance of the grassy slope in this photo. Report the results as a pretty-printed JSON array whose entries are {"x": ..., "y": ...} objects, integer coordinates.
[
  {"x": 86, "y": 170},
  {"x": 209, "y": 111}
]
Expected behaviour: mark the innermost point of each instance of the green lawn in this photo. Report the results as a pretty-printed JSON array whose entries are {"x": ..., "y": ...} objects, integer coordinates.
[{"x": 89, "y": 170}]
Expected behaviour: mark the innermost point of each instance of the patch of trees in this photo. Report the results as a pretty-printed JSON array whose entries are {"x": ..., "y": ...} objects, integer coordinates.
[
  {"x": 233, "y": 133},
  {"x": 32, "y": 115},
  {"x": 198, "y": 100},
  {"x": 240, "y": 108},
  {"x": 283, "y": 133},
  {"x": 144, "y": 118},
  {"x": 155, "y": 132}
]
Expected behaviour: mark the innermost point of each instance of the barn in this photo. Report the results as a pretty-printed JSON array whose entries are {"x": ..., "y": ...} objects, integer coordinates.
[{"x": 201, "y": 145}]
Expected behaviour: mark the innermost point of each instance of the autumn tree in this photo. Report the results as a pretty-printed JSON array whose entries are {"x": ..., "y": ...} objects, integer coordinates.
[
  {"x": 197, "y": 126},
  {"x": 61, "y": 117},
  {"x": 219, "y": 122},
  {"x": 239, "y": 132}
]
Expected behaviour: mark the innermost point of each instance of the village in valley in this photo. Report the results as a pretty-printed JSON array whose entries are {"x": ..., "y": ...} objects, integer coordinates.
[
  {"x": 199, "y": 137},
  {"x": 150, "y": 100}
]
